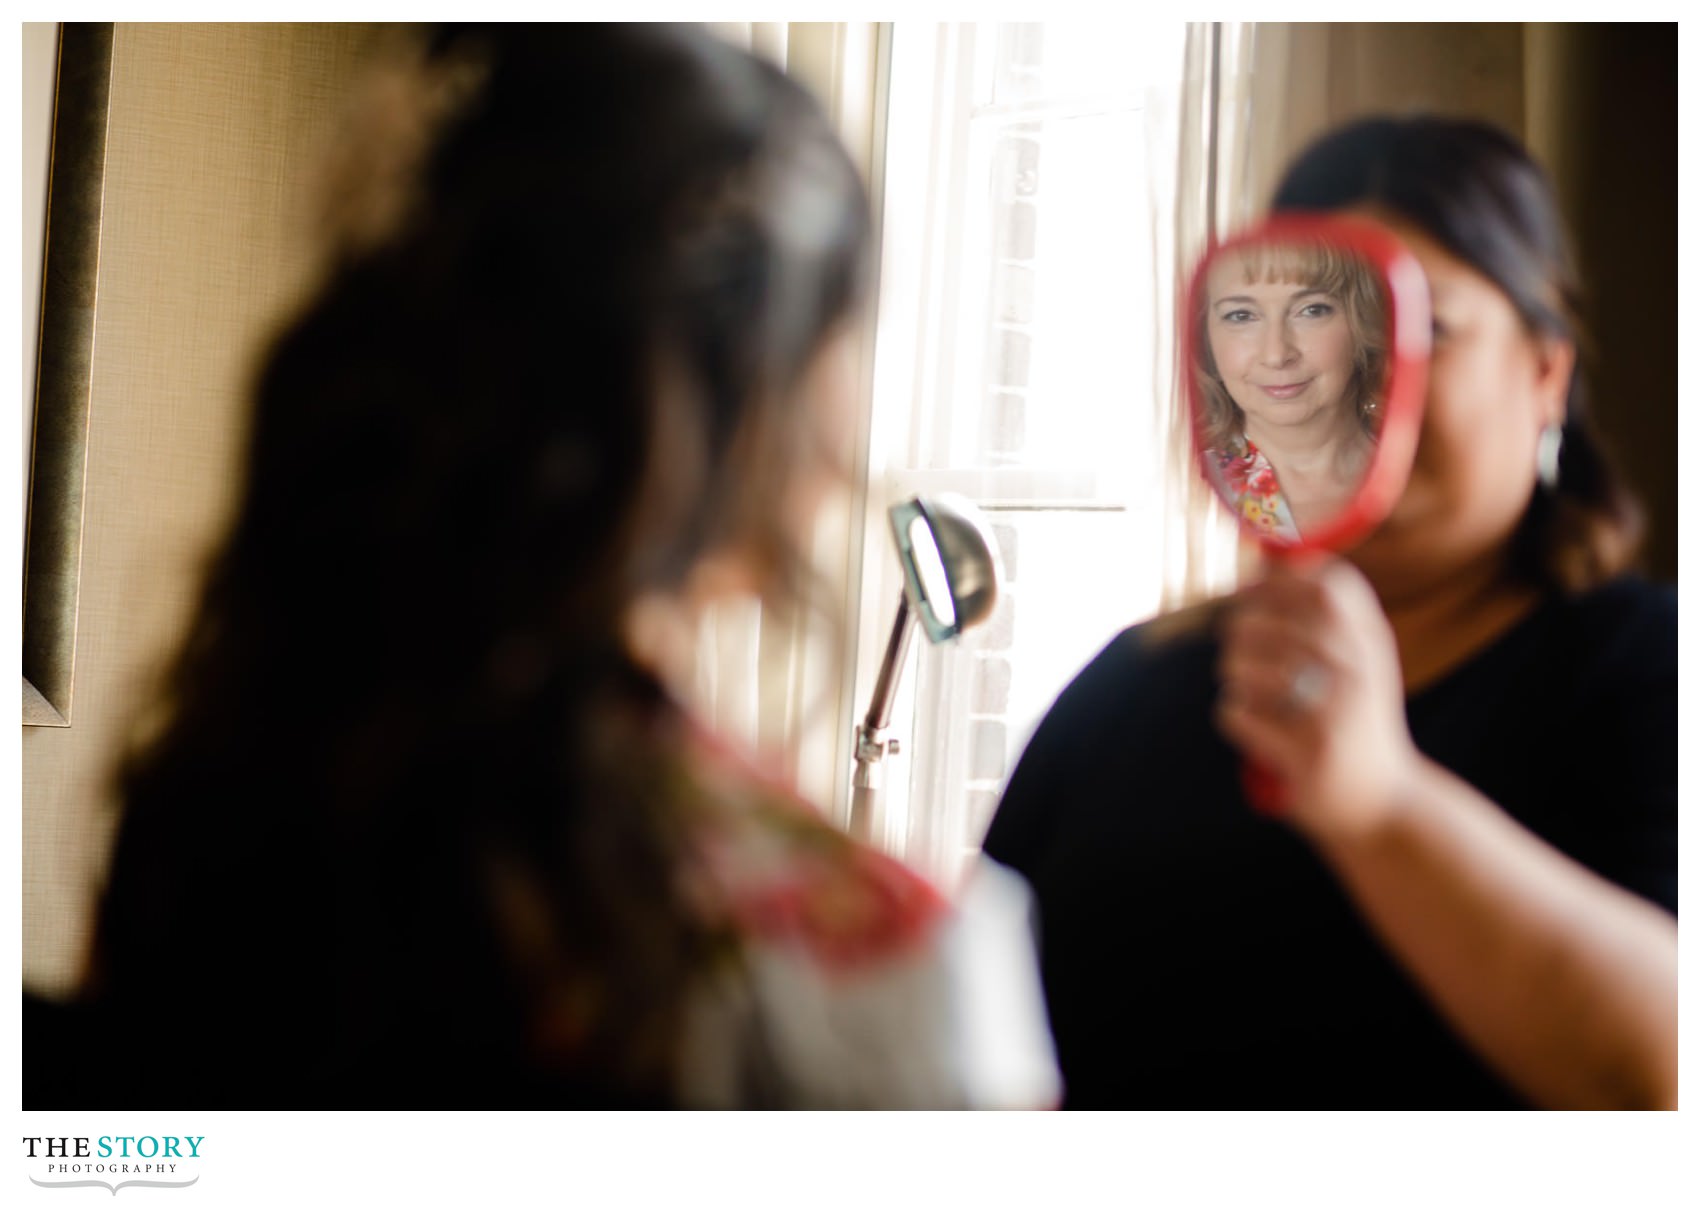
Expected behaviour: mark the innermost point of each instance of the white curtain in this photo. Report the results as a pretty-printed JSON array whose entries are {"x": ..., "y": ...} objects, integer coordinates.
[
  {"x": 782, "y": 689},
  {"x": 1231, "y": 144},
  {"x": 779, "y": 687}
]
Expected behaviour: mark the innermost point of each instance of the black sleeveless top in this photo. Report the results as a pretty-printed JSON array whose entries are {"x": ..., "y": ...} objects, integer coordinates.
[{"x": 1197, "y": 954}]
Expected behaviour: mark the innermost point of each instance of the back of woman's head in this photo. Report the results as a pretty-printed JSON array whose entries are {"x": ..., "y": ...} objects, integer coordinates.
[
  {"x": 577, "y": 274},
  {"x": 566, "y": 369},
  {"x": 1477, "y": 192}
]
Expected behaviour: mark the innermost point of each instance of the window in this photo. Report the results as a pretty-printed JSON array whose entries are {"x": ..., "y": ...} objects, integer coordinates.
[{"x": 1016, "y": 363}]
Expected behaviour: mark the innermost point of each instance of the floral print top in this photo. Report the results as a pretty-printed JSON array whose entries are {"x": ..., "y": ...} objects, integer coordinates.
[
  {"x": 851, "y": 981},
  {"x": 1247, "y": 481}
]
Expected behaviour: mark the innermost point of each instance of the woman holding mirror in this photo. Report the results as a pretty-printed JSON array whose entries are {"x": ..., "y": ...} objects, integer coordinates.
[
  {"x": 1288, "y": 365},
  {"x": 424, "y": 823},
  {"x": 1470, "y": 900}
]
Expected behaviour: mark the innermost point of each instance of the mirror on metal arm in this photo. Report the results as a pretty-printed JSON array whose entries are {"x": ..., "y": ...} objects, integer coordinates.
[
  {"x": 950, "y": 563},
  {"x": 951, "y": 574},
  {"x": 1308, "y": 337}
]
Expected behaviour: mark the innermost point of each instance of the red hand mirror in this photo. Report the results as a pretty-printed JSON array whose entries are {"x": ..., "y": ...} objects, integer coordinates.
[{"x": 1308, "y": 337}]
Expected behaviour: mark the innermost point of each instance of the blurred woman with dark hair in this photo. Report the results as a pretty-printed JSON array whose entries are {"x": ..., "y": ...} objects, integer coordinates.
[
  {"x": 1471, "y": 901},
  {"x": 423, "y": 824}
]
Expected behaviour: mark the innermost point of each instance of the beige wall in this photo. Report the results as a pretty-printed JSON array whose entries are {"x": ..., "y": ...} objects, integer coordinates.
[
  {"x": 1309, "y": 77},
  {"x": 211, "y": 134},
  {"x": 1602, "y": 111}
]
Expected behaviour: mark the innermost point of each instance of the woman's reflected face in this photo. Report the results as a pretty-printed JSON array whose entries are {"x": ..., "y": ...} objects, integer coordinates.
[{"x": 1284, "y": 350}]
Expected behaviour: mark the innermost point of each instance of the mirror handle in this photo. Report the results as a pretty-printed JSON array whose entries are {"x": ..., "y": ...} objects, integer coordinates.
[{"x": 1265, "y": 790}]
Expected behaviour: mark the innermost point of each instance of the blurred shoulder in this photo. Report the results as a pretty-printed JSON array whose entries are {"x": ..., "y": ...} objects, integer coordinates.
[
  {"x": 1141, "y": 665},
  {"x": 849, "y": 980},
  {"x": 1630, "y": 601},
  {"x": 1628, "y": 626},
  {"x": 779, "y": 874}
]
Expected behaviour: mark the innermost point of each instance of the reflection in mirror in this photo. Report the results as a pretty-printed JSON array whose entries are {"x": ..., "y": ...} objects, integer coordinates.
[
  {"x": 929, "y": 567},
  {"x": 1290, "y": 365}
]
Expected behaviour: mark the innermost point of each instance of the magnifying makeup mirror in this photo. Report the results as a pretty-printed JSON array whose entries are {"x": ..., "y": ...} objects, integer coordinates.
[
  {"x": 1309, "y": 341},
  {"x": 951, "y": 574}
]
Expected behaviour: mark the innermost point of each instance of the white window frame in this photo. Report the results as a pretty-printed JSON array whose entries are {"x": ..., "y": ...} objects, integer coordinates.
[{"x": 928, "y": 332}]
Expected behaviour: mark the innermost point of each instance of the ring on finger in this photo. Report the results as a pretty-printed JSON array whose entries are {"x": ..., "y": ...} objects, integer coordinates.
[{"x": 1307, "y": 687}]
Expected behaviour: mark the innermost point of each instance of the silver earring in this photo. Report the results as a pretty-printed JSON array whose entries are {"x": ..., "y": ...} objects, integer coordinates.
[{"x": 1547, "y": 450}]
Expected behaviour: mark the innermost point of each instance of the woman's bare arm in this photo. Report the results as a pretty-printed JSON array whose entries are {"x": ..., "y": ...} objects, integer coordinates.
[{"x": 1562, "y": 981}]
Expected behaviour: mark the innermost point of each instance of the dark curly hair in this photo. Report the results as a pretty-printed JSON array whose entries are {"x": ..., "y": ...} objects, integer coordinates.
[{"x": 406, "y": 829}]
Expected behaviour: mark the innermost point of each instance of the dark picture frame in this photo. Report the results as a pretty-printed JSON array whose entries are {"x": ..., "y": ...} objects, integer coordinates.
[{"x": 53, "y": 539}]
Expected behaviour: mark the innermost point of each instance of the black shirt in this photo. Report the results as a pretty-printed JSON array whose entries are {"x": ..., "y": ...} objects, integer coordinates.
[{"x": 1196, "y": 954}]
